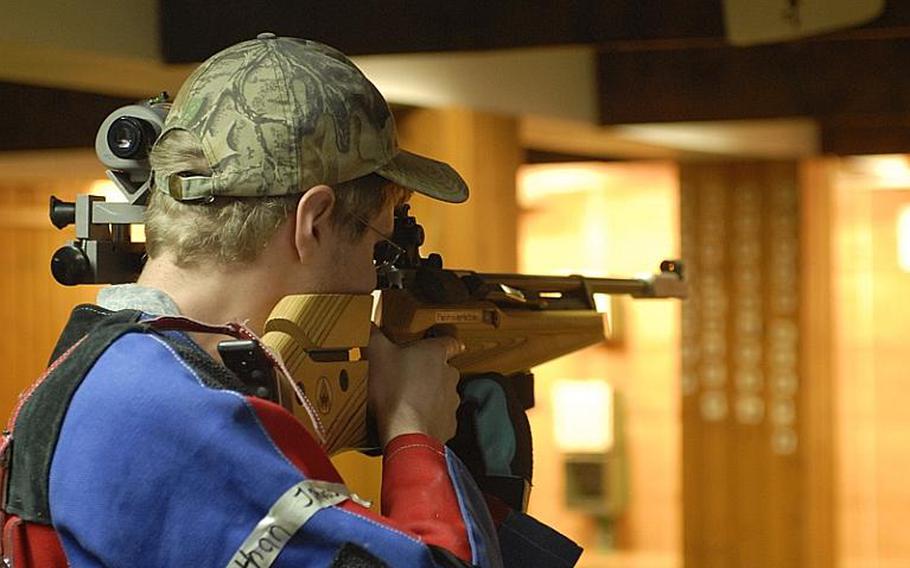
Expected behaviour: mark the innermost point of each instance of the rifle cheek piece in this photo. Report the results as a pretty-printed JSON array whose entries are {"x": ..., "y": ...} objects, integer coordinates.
[{"x": 321, "y": 337}]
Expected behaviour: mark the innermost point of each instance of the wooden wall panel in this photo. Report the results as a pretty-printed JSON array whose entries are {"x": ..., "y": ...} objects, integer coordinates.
[
  {"x": 891, "y": 313},
  {"x": 32, "y": 305},
  {"x": 749, "y": 465},
  {"x": 819, "y": 393},
  {"x": 481, "y": 233},
  {"x": 870, "y": 324},
  {"x": 612, "y": 219}
]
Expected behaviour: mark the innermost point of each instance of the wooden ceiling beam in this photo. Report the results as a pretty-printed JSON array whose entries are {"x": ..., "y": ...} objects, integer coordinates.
[
  {"x": 817, "y": 79},
  {"x": 853, "y": 135},
  {"x": 39, "y": 118},
  {"x": 858, "y": 90}
]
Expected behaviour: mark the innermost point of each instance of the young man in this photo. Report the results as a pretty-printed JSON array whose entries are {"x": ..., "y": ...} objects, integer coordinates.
[{"x": 276, "y": 174}]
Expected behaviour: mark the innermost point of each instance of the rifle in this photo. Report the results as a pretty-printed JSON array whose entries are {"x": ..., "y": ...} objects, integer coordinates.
[{"x": 509, "y": 323}]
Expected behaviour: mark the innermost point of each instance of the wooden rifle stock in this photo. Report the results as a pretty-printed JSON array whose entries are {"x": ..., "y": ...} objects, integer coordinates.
[
  {"x": 509, "y": 323},
  {"x": 499, "y": 340},
  {"x": 321, "y": 338}
]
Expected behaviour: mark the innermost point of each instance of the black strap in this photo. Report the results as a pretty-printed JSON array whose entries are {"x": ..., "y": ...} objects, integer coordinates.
[
  {"x": 39, "y": 420},
  {"x": 36, "y": 427},
  {"x": 82, "y": 320},
  {"x": 446, "y": 559},
  {"x": 525, "y": 541},
  {"x": 352, "y": 556}
]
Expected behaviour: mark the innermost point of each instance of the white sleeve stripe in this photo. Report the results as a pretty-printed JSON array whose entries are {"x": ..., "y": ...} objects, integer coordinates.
[{"x": 290, "y": 512}]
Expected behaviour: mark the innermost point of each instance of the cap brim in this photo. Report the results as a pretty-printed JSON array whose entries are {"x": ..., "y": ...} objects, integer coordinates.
[{"x": 427, "y": 176}]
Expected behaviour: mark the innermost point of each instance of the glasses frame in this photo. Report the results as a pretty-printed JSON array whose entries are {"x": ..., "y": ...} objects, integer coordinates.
[{"x": 383, "y": 265}]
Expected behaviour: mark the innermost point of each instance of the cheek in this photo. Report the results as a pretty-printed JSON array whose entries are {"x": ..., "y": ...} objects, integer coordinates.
[
  {"x": 351, "y": 269},
  {"x": 360, "y": 274}
]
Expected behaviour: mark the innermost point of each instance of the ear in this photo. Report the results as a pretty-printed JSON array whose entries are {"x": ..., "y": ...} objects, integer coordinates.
[{"x": 313, "y": 219}]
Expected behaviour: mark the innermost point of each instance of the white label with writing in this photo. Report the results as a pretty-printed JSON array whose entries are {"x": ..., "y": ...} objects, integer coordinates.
[{"x": 290, "y": 512}]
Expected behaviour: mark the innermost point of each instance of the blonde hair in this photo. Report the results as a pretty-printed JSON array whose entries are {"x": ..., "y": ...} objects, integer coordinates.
[{"x": 229, "y": 230}]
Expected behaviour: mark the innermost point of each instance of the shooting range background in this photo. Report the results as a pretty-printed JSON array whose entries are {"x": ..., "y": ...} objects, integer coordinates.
[
  {"x": 613, "y": 72},
  {"x": 851, "y": 281},
  {"x": 612, "y": 219}
]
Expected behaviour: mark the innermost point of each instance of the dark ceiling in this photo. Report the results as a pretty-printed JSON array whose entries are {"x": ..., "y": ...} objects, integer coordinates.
[
  {"x": 657, "y": 60},
  {"x": 194, "y": 29},
  {"x": 40, "y": 118}
]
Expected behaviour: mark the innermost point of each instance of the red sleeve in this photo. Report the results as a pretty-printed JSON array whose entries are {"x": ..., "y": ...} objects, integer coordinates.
[{"x": 417, "y": 495}]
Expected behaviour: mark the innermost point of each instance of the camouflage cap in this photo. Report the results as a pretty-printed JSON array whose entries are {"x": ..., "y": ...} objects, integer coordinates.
[{"x": 279, "y": 115}]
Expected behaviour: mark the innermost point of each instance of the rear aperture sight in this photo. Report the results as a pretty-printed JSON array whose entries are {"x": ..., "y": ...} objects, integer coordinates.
[{"x": 131, "y": 138}]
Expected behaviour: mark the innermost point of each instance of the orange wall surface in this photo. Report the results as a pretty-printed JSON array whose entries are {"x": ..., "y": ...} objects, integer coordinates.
[
  {"x": 33, "y": 307},
  {"x": 872, "y": 326},
  {"x": 612, "y": 220}
]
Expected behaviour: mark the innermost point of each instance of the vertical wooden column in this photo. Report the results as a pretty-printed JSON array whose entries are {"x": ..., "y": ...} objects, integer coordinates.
[
  {"x": 480, "y": 234},
  {"x": 818, "y": 393},
  {"x": 757, "y": 451}
]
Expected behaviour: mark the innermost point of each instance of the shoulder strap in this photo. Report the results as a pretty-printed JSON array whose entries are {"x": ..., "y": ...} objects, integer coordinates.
[
  {"x": 82, "y": 320},
  {"x": 38, "y": 417}
]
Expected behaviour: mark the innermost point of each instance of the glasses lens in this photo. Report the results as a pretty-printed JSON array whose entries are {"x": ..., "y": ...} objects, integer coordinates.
[
  {"x": 124, "y": 137},
  {"x": 385, "y": 253}
]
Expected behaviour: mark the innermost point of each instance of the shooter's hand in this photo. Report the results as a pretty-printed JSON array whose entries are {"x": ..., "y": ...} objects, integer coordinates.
[{"x": 413, "y": 388}]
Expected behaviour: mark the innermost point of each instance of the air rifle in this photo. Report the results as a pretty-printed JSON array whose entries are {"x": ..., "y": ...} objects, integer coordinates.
[{"x": 509, "y": 323}]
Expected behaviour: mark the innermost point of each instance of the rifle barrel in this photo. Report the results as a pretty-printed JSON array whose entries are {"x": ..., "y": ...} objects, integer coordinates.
[
  {"x": 669, "y": 283},
  {"x": 632, "y": 286}
]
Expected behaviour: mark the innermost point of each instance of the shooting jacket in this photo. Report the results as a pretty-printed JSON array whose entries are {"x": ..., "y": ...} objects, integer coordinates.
[{"x": 163, "y": 459}]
